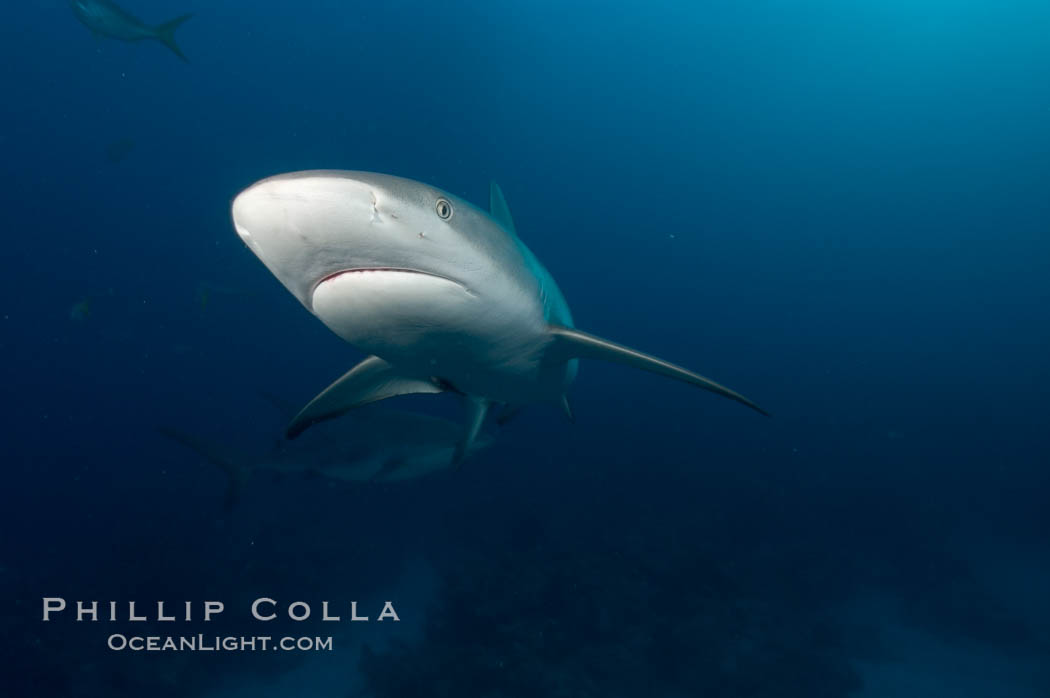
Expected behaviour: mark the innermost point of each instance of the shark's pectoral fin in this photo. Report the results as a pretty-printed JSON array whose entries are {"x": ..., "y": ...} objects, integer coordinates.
[
  {"x": 477, "y": 408},
  {"x": 287, "y": 414},
  {"x": 369, "y": 381},
  {"x": 574, "y": 344}
]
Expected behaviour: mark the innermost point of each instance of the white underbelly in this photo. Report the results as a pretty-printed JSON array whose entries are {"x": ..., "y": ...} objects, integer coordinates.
[{"x": 434, "y": 327}]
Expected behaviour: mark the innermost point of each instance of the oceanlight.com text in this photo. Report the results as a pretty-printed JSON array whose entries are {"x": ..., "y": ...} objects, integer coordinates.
[{"x": 217, "y": 643}]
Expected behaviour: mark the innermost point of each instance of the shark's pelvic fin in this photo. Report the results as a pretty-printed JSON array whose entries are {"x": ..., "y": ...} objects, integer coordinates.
[
  {"x": 369, "y": 381},
  {"x": 499, "y": 209},
  {"x": 477, "y": 408},
  {"x": 567, "y": 408},
  {"x": 574, "y": 344}
]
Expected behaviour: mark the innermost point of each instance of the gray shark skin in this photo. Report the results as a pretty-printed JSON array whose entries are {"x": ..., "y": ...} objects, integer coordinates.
[
  {"x": 444, "y": 295},
  {"x": 106, "y": 18},
  {"x": 380, "y": 446}
]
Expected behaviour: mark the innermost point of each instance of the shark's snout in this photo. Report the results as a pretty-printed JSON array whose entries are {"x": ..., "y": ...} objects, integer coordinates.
[
  {"x": 304, "y": 208},
  {"x": 257, "y": 208},
  {"x": 308, "y": 226},
  {"x": 291, "y": 224},
  {"x": 246, "y": 215}
]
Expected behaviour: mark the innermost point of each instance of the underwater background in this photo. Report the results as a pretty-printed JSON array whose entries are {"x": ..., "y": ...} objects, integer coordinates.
[{"x": 841, "y": 209}]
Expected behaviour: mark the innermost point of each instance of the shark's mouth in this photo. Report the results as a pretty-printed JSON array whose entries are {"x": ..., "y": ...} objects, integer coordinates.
[
  {"x": 387, "y": 308},
  {"x": 383, "y": 270},
  {"x": 379, "y": 280},
  {"x": 396, "y": 270}
]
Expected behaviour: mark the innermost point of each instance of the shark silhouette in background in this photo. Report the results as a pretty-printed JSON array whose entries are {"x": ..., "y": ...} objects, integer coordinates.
[
  {"x": 106, "y": 18},
  {"x": 377, "y": 446}
]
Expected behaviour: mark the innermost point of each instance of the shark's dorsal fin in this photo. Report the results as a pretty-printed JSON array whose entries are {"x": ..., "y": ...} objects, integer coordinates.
[
  {"x": 574, "y": 344},
  {"x": 477, "y": 408},
  {"x": 369, "y": 381},
  {"x": 499, "y": 209}
]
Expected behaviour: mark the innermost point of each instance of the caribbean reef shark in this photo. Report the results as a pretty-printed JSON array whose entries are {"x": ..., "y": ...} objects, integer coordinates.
[
  {"x": 443, "y": 295},
  {"x": 381, "y": 446},
  {"x": 106, "y": 18}
]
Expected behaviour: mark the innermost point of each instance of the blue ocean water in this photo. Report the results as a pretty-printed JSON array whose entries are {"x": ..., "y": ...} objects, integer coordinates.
[{"x": 839, "y": 209}]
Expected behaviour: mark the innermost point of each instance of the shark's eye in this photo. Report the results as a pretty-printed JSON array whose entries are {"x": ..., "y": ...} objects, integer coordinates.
[{"x": 444, "y": 209}]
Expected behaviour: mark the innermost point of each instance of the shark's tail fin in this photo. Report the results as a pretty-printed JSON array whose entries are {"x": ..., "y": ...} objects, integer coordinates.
[
  {"x": 236, "y": 472},
  {"x": 165, "y": 34}
]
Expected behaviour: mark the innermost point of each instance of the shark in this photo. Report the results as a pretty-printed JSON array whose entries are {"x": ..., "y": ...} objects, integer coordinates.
[
  {"x": 442, "y": 295},
  {"x": 106, "y": 18},
  {"x": 382, "y": 447}
]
